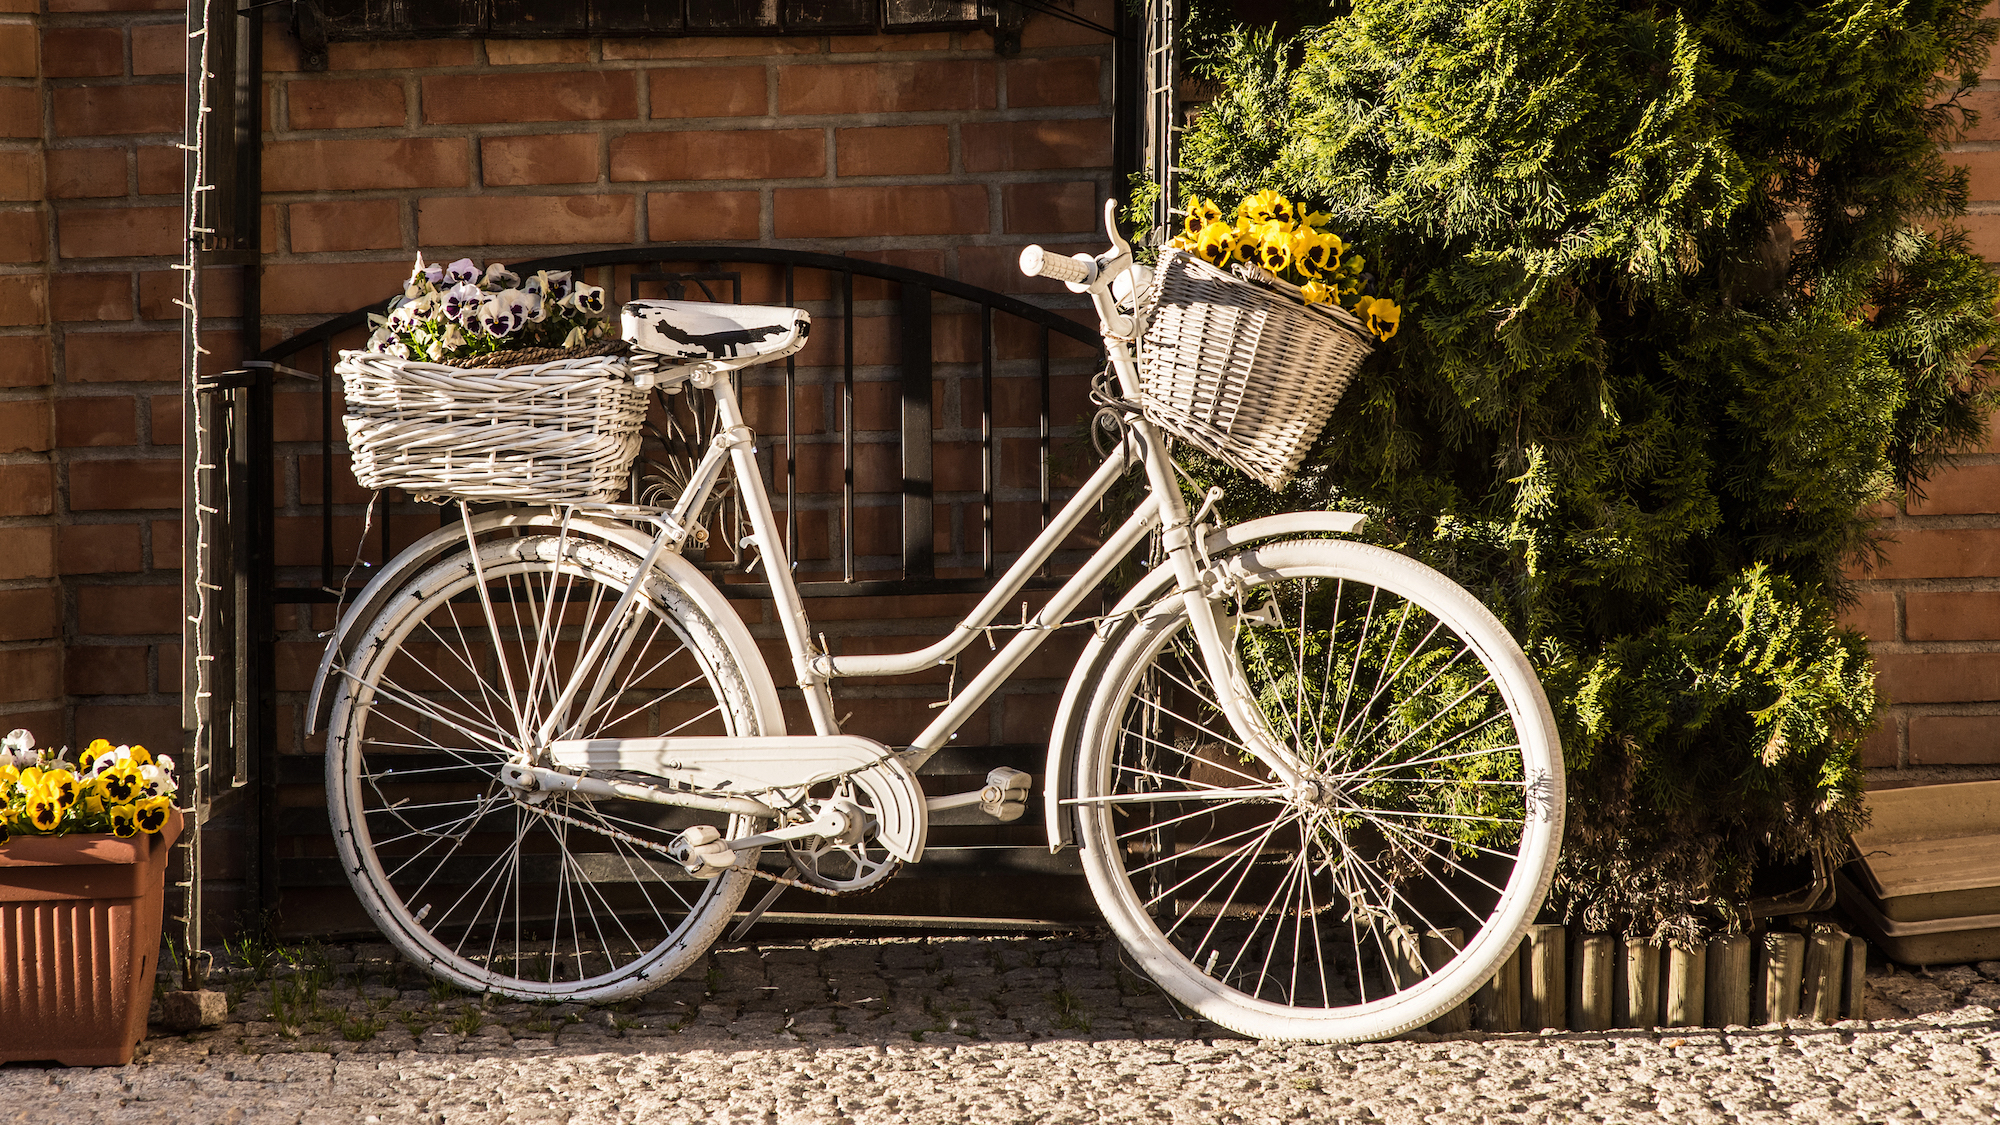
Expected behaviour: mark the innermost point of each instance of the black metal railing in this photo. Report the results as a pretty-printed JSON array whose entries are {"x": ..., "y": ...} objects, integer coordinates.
[{"x": 915, "y": 306}]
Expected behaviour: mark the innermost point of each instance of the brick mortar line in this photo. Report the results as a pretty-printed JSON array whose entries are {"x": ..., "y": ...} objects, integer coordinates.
[
  {"x": 1931, "y": 585},
  {"x": 1882, "y": 646},
  {"x": 1945, "y": 521},
  {"x": 747, "y": 123},
  {"x": 870, "y": 244},
  {"x": 132, "y": 17},
  {"x": 114, "y": 81},
  {"x": 821, "y": 57}
]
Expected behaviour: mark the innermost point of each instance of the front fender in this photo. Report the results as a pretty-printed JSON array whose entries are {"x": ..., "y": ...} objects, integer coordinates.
[
  {"x": 1059, "y": 780},
  {"x": 444, "y": 540}
]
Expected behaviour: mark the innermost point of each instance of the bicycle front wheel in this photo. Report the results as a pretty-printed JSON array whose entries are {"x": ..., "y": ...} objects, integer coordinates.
[
  {"x": 535, "y": 895},
  {"x": 1387, "y": 884}
]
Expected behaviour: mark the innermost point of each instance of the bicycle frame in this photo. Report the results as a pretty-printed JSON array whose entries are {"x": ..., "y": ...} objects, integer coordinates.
[{"x": 1163, "y": 508}]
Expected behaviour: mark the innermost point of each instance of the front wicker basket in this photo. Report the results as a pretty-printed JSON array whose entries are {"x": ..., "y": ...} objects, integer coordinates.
[
  {"x": 1245, "y": 371},
  {"x": 543, "y": 433}
]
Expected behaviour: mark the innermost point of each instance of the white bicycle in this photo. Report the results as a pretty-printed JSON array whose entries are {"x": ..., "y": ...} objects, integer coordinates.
[{"x": 1316, "y": 786}]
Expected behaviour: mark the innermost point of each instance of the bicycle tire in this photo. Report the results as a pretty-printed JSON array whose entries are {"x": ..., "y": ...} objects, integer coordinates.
[
  {"x": 1404, "y": 875},
  {"x": 532, "y": 896}
]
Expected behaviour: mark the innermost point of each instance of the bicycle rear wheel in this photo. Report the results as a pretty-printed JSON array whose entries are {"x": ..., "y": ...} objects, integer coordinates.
[
  {"x": 535, "y": 895},
  {"x": 1388, "y": 885}
]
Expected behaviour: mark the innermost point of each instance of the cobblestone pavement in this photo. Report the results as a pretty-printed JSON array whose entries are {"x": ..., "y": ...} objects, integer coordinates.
[{"x": 1042, "y": 1029}]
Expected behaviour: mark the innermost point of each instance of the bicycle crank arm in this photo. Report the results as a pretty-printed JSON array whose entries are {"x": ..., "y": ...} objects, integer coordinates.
[
  {"x": 831, "y": 822},
  {"x": 536, "y": 779}
]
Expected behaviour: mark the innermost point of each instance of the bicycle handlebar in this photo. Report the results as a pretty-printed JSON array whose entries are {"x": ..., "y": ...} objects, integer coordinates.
[{"x": 1037, "y": 262}]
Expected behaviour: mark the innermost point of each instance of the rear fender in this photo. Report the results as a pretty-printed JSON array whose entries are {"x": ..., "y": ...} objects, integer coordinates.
[
  {"x": 443, "y": 541},
  {"x": 1059, "y": 773}
]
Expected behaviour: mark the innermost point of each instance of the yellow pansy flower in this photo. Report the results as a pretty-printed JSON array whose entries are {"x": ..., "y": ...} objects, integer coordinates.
[
  {"x": 1274, "y": 247},
  {"x": 120, "y": 783},
  {"x": 1318, "y": 252},
  {"x": 139, "y": 755},
  {"x": 93, "y": 802},
  {"x": 152, "y": 813},
  {"x": 1316, "y": 293},
  {"x": 124, "y": 820},
  {"x": 61, "y": 784},
  {"x": 1380, "y": 314},
  {"x": 31, "y": 778},
  {"x": 1265, "y": 206},
  {"x": 42, "y": 811},
  {"x": 9, "y": 774},
  {"x": 1200, "y": 213},
  {"x": 1216, "y": 243}
]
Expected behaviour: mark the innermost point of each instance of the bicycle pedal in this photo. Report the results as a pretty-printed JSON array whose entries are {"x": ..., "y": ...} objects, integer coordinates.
[
  {"x": 703, "y": 852},
  {"x": 1006, "y": 793}
]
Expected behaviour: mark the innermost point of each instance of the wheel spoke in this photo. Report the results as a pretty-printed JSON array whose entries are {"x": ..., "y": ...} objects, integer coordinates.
[
  {"x": 559, "y": 899},
  {"x": 1416, "y": 750}
]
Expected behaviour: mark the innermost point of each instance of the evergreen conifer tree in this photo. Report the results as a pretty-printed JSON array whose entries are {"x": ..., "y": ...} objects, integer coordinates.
[{"x": 1682, "y": 300}]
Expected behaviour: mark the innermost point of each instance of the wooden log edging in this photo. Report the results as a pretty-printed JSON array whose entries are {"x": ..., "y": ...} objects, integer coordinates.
[{"x": 1597, "y": 982}]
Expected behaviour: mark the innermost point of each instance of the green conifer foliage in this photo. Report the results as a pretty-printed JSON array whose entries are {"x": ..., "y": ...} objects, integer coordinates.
[{"x": 1682, "y": 301}]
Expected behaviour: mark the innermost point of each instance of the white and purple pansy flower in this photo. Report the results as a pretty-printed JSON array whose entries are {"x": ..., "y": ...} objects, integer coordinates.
[
  {"x": 496, "y": 318},
  {"x": 520, "y": 304},
  {"x": 557, "y": 283},
  {"x": 586, "y": 299},
  {"x": 408, "y": 314},
  {"x": 462, "y": 302},
  {"x": 465, "y": 269},
  {"x": 499, "y": 277}
]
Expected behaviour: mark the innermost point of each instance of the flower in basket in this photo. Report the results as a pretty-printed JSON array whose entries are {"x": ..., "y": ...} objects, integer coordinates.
[
  {"x": 460, "y": 311},
  {"x": 122, "y": 790},
  {"x": 1290, "y": 243}
]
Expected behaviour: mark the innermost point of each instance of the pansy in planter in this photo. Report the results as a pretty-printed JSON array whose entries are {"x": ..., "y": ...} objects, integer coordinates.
[
  {"x": 51, "y": 795},
  {"x": 151, "y": 813}
]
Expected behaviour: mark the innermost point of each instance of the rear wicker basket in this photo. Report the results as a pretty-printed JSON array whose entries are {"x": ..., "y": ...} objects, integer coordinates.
[
  {"x": 545, "y": 433},
  {"x": 1245, "y": 371}
]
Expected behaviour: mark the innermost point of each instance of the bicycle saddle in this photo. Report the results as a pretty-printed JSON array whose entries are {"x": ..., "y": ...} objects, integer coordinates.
[{"x": 698, "y": 330}]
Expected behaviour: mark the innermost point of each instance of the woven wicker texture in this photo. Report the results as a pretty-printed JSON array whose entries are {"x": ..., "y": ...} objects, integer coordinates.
[
  {"x": 550, "y": 433},
  {"x": 1244, "y": 371}
]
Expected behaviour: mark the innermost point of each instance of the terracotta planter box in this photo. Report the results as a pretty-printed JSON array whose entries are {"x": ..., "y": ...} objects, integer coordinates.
[{"x": 79, "y": 931}]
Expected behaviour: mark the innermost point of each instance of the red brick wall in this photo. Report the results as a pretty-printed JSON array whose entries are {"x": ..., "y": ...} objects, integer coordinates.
[
  {"x": 925, "y": 150},
  {"x": 107, "y": 116},
  {"x": 1932, "y": 611},
  {"x": 32, "y": 605}
]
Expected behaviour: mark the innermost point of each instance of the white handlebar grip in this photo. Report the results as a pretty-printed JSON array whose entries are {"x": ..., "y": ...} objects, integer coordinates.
[{"x": 1037, "y": 262}]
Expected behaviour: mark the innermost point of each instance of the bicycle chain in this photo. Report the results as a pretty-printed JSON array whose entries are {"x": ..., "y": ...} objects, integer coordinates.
[{"x": 628, "y": 838}]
